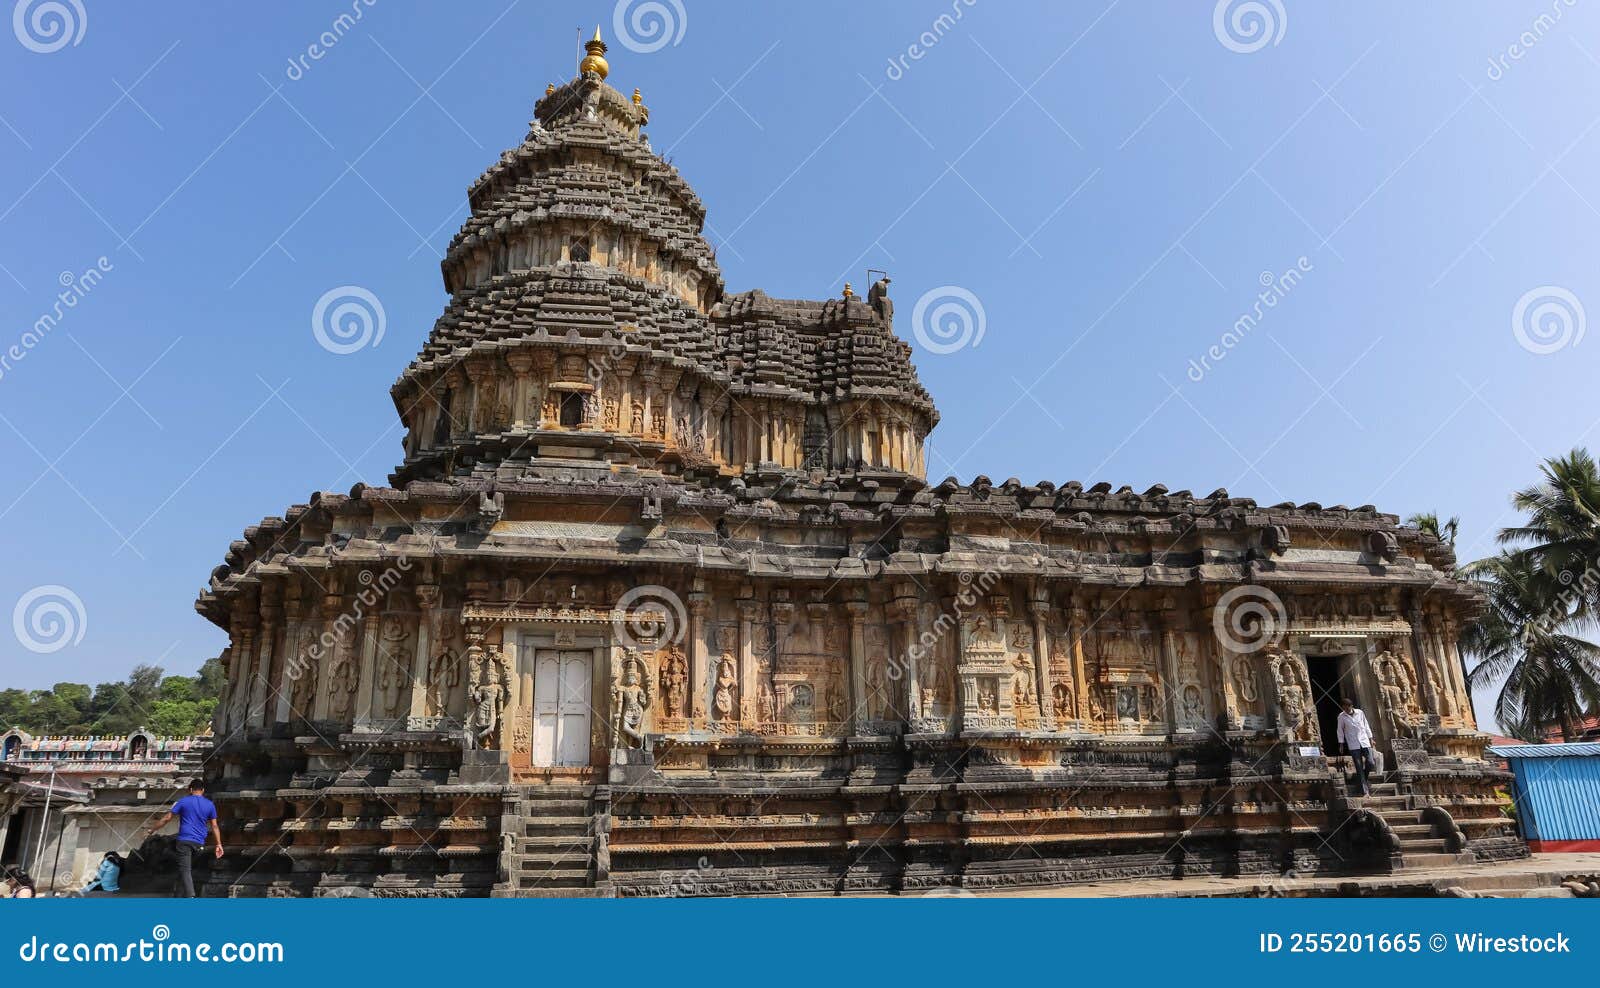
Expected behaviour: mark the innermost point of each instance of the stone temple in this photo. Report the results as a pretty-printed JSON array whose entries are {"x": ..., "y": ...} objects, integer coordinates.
[{"x": 660, "y": 602}]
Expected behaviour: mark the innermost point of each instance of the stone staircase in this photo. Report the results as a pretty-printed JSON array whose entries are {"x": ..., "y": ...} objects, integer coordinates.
[
  {"x": 554, "y": 850},
  {"x": 1425, "y": 841}
]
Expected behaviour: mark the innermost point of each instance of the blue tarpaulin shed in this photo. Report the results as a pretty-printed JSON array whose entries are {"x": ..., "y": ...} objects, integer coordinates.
[{"x": 1557, "y": 790}]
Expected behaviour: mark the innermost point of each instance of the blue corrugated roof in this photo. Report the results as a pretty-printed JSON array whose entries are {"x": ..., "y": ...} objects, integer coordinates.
[{"x": 1577, "y": 749}]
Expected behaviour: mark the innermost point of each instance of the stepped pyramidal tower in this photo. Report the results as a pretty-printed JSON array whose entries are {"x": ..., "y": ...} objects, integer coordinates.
[{"x": 659, "y": 601}]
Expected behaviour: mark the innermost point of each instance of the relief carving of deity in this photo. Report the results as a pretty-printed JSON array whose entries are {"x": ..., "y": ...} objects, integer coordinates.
[
  {"x": 1398, "y": 690},
  {"x": 394, "y": 663},
  {"x": 342, "y": 681},
  {"x": 1294, "y": 699},
  {"x": 488, "y": 692},
  {"x": 724, "y": 697},
  {"x": 444, "y": 675},
  {"x": 1061, "y": 701},
  {"x": 674, "y": 683},
  {"x": 1194, "y": 712},
  {"x": 877, "y": 705},
  {"x": 988, "y": 696},
  {"x": 303, "y": 696},
  {"x": 1022, "y": 683},
  {"x": 1244, "y": 675},
  {"x": 630, "y": 699}
]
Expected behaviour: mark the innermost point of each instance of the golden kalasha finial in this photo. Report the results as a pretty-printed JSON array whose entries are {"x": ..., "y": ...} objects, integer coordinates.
[
  {"x": 638, "y": 98},
  {"x": 550, "y": 90},
  {"x": 595, "y": 60},
  {"x": 847, "y": 292}
]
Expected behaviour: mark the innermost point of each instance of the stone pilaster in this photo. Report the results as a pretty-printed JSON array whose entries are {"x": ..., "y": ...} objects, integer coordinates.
[
  {"x": 749, "y": 614},
  {"x": 699, "y": 683},
  {"x": 292, "y": 608},
  {"x": 905, "y": 609},
  {"x": 1040, "y": 609},
  {"x": 1077, "y": 628},
  {"x": 858, "y": 664},
  {"x": 262, "y": 685},
  {"x": 521, "y": 364},
  {"x": 328, "y": 659},
  {"x": 427, "y": 625}
]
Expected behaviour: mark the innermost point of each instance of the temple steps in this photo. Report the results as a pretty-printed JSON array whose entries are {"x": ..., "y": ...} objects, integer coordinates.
[
  {"x": 554, "y": 853},
  {"x": 1422, "y": 845}
]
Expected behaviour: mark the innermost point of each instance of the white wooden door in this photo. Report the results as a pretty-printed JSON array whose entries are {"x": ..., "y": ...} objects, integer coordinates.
[{"x": 561, "y": 708}]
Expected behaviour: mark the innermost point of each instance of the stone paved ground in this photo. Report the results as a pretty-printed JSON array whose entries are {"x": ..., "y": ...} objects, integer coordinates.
[{"x": 1540, "y": 872}]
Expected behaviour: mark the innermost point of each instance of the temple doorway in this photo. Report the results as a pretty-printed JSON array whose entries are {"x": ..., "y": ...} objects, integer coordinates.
[
  {"x": 561, "y": 707},
  {"x": 1326, "y": 689}
]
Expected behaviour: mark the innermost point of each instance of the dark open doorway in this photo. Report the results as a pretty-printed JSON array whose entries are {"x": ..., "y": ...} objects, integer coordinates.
[{"x": 1326, "y": 689}]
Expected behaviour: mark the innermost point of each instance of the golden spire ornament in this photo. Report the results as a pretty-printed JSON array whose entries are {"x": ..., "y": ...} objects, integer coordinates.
[
  {"x": 847, "y": 292},
  {"x": 595, "y": 60},
  {"x": 638, "y": 98},
  {"x": 550, "y": 90}
]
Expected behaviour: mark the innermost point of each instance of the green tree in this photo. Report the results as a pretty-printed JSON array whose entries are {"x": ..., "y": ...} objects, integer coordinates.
[
  {"x": 1429, "y": 522},
  {"x": 1548, "y": 675},
  {"x": 1562, "y": 531}
]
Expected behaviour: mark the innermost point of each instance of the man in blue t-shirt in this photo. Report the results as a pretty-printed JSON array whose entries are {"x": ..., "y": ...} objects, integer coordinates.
[{"x": 196, "y": 814}]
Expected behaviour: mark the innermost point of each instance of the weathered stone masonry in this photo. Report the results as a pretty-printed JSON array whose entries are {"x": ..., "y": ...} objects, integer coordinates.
[{"x": 659, "y": 602}]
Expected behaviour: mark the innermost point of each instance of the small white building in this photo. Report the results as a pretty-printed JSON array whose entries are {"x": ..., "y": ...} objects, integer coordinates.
[{"x": 66, "y": 801}]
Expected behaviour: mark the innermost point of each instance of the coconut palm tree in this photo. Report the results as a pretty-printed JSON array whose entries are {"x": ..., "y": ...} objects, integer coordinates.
[
  {"x": 1562, "y": 533},
  {"x": 1429, "y": 522},
  {"x": 1549, "y": 676}
]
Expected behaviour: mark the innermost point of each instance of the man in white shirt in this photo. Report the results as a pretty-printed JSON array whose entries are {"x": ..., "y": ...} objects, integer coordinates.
[{"x": 1355, "y": 737}]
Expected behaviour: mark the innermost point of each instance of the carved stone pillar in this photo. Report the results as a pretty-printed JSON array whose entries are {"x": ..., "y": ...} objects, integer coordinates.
[
  {"x": 427, "y": 622},
  {"x": 262, "y": 686},
  {"x": 367, "y": 678},
  {"x": 521, "y": 364},
  {"x": 905, "y": 609},
  {"x": 456, "y": 409},
  {"x": 544, "y": 362},
  {"x": 1039, "y": 607},
  {"x": 328, "y": 657},
  {"x": 1170, "y": 686},
  {"x": 858, "y": 664},
  {"x": 1419, "y": 659},
  {"x": 1450, "y": 658},
  {"x": 699, "y": 683},
  {"x": 292, "y": 604},
  {"x": 749, "y": 614},
  {"x": 1077, "y": 628}
]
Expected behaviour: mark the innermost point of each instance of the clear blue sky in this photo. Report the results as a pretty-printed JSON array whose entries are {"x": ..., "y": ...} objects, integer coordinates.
[{"x": 1109, "y": 182}]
